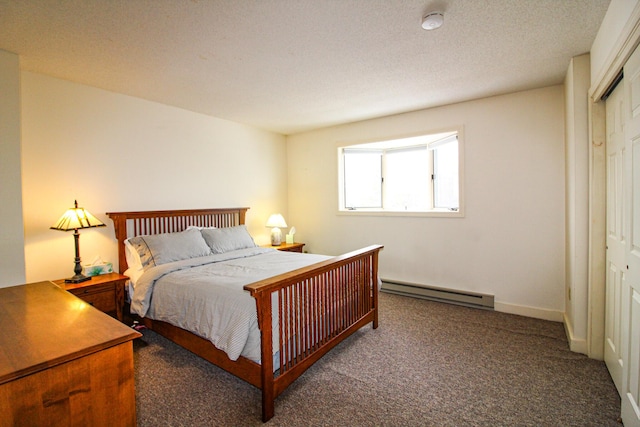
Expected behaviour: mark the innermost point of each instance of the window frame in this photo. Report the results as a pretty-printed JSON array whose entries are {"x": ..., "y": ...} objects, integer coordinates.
[{"x": 367, "y": 145}]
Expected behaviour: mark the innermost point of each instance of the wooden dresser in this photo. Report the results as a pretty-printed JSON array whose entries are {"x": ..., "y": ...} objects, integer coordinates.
[{"x": 63, "y": 362}]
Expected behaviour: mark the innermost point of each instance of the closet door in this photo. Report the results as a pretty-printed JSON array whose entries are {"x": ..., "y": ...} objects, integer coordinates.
[
  {"x": 630, "y": 393},
  {"x": 615, "y": 317}
]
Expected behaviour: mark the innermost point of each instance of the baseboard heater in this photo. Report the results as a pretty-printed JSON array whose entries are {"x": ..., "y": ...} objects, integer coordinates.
[{"x": 451, "y": 296}]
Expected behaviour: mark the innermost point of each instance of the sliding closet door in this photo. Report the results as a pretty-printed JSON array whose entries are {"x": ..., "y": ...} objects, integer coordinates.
[
  {"x": 630, "y": 393},
  {"x": 615, "y": 317}
]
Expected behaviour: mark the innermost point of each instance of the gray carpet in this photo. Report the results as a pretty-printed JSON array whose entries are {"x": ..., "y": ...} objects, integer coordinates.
[{"x": 428, "y": 364}]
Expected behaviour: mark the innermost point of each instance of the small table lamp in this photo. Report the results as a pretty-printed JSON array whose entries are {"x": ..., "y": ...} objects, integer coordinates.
[
  {"x": 74, "y": 219},
  {"x": 276, "y": 221}
]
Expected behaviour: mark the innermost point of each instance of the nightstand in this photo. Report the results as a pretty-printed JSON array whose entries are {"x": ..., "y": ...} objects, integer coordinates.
[
  {"x": 105, "y": 292},
  {"x": 288, "y": 247}
]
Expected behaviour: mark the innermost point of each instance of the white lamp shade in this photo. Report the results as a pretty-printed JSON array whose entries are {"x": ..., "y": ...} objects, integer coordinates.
[{"x": 276, "y": 220}]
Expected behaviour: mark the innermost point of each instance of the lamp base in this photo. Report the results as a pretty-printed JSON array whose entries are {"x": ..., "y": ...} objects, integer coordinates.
[
  {"x": 276, "y": 236},
  {"x": 78, "y": 278}
]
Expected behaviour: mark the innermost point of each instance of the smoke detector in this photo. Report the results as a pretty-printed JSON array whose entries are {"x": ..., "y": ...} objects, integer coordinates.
[{"x": 432, "y": 20}]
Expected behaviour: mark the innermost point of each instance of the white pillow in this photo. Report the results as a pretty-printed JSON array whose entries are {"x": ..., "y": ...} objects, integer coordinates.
[
  {"x": 160, "y": 249},
  {"x": 133, "y": 276},
  {"x": 133, "y": 259},
  {"x": 222, "y": 240}
]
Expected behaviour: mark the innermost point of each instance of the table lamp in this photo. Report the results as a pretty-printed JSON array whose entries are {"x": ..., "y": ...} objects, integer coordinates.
[
  {"x": 276, "y": 221},
  {"x": 75, "y": 219}
]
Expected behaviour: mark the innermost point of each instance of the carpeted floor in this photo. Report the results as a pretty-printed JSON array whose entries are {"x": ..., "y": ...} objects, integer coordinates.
[{"x": 428, "y": 364}]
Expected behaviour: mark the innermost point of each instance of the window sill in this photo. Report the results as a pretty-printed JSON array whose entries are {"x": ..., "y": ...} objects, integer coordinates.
[{"x": 436, "y": 213}]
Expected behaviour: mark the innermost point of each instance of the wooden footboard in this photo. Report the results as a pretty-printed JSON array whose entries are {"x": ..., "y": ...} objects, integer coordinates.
[
  {"x": 314, "y": 308},
  {"x": 317, "y": 307}
]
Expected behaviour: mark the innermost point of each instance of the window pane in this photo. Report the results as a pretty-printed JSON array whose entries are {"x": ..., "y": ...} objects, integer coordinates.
[
  {"x": 406, "y": 179},
  {"x": 362, "y": 179},
  {"x": 414, "y": 174},
  {"x": 445, "y": 183}
]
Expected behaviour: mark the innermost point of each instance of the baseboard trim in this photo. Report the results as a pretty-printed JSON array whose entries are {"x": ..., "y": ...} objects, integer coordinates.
[
  {"x": 575, "y": 344},
  {"x": 536, "y": 313}
]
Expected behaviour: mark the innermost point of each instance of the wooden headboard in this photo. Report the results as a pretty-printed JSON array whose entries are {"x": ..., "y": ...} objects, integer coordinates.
[{"x": 131, "y": 224}]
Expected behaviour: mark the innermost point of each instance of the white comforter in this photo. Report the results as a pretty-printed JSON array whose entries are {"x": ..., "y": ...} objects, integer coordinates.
[{"x": 205, "y": 295}]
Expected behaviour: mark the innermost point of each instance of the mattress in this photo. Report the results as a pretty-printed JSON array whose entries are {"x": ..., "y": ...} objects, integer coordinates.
[{"x": 205, "y": 295}]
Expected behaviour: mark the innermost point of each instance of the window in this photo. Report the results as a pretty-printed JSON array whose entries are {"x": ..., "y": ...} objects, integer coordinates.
[
  {"x": 363, "y": 173},
  {"x": 417, "y": 174}
]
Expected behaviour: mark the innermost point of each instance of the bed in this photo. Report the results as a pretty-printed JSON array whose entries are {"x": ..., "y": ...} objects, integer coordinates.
[{"x": 300, "y": 314}]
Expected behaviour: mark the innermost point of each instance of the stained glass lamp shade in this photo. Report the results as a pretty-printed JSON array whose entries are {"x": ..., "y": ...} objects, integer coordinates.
[{"x": 75, "y": 219}]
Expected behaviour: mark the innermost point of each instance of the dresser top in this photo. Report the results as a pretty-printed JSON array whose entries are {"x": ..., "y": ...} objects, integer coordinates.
[{"x": 43, "y": 325}]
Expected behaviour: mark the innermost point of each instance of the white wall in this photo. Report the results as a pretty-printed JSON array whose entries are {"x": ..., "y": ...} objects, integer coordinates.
[
  {"x": 511, "y": 241},
  {"x": 577, "y": 143},
  {"x": 12, "y": 265},
  {"x": 115, "y": 153}
]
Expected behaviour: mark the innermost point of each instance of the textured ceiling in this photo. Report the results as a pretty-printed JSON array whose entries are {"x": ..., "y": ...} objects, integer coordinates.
[{"x": 295, "y": 65}]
